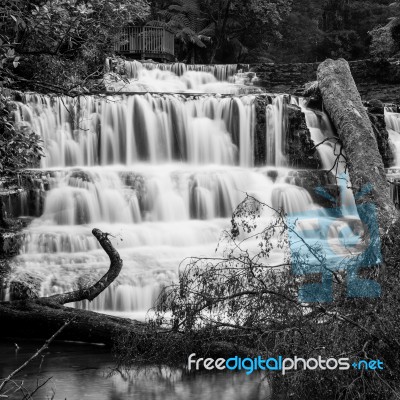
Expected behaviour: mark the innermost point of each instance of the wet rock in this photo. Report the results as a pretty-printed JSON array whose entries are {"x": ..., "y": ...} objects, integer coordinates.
[
  {"x": 300, "y": 147},
  {"x": 25, "y": 286},
  {"x": 5, "y": 271},
  {"x": 10, "y": 242},
  {"x": 311, "y": 180},
  {"x": 376, "y": 114},
  {"x": 376, "y": 107},
  {"x": 261, "y": 102},
  {"x": 82, "y": 175}
]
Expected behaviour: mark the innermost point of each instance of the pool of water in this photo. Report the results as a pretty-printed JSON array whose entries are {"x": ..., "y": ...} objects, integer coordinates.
[{"x": 82, "y": 371}]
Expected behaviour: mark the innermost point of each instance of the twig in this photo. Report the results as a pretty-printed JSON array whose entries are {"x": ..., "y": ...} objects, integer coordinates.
[
  {"x": 43, "y": 348},
  {"x": 30, "y": 395}
]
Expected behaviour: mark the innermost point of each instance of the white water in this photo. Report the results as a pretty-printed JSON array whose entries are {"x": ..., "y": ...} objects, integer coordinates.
[
  {"x": 182, "y": 78},
  {"x": 129, "y": 129},
  {"x": 276, "y": 122},
  {"x": 392, "y": 120},
  {"x": 162, "y": 174},
  {"x": 181, "y": 213}
]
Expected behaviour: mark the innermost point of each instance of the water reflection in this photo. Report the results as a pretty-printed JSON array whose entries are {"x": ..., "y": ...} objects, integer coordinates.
[{"x": 81, "y": 371}]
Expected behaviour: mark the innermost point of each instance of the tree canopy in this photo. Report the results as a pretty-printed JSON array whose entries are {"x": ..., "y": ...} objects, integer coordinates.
[
  {"x": 64, "y": 42},
  {"x": 316, "y": 30},
  {"x": 61, "y": 44},
  {"x": 277, "y": 30}
]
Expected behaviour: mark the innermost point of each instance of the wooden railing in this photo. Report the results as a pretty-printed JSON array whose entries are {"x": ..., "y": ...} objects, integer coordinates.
[{"x": 147, "y": 40}]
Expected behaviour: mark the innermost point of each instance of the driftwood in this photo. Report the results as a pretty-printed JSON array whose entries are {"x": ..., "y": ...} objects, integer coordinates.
[
  {"x": 40, "y": 318},
  {"x": 343, "y": 103}
]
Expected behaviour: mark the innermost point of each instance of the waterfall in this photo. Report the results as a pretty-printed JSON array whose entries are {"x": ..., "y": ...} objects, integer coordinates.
[
  {"x": 329, "y": 151},
  {"x": 276, "y": 122},
  {"x": 392, "y": 120},
  {"x": 221, "y": 72},
  {"x": 162, "y": 173},
  {"x": 182, "y": 78},
  {"x": 126, "y": 130}
]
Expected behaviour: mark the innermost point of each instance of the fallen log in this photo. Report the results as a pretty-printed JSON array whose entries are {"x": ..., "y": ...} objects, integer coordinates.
[
  {"x": 40, "y": 318},
  {"x": 343, "y": 103}
]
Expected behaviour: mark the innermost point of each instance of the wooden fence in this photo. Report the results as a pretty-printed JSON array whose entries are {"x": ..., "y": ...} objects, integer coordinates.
[{"x": 146, "y": 42}]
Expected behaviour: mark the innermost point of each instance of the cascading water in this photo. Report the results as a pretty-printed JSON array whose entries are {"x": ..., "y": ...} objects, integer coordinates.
[
  {"x": 182, "y": 78},
  {"x": 392, "y": 119},
  {"x": 161, "y": 173},
  {"x": 276, "y": 118},
  {"x": 329, "y": 152},
  {"x": 222, "y": 72},
  {"x": 129, "y": 129}
]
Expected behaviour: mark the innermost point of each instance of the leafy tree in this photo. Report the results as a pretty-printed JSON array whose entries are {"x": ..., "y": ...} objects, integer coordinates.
[
  {"x": 225, "y": 29},
  {"x": 315, "y": 30},
  {"x": 185, "y": 19},
  {"x": 386, "y": 38},
  {"x": 300, "y": 35},
  {"x": 70, "y": 37},
  {"x": 244, "y": 25},
  {"x": 245, "y": 304}
]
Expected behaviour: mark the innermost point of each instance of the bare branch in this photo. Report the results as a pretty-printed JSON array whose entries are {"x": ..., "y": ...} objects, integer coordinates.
[
  {"x": 41, "y": 350},
  {"x": 93, "y": 291}
]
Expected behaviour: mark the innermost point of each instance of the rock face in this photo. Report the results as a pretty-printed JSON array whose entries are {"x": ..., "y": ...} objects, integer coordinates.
[
  {"x": 261, "y": 103},
  {"x": 376, "y": 113},
  {"x": 25, "y": 286},
  {"x": 300, "y": 149},
  {"x": 10, "y": 243},
  {"x": 20, "y": 194},
  {"x": 311, "y": 180},
  {"x": 375, "y": 79},
  {"x": 23, "y": 193}
]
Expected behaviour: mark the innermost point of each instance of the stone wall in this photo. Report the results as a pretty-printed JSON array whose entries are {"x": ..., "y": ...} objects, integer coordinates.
[{"x": 376, "y": 79}]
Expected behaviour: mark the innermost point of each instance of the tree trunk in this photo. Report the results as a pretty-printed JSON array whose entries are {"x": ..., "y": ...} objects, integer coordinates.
[
  {"x": 343, "y": 103},
  {"x": 39, "y": 319}
]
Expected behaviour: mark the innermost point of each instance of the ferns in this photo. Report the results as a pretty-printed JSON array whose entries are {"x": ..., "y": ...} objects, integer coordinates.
[{"x": 184, "y": 19}]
